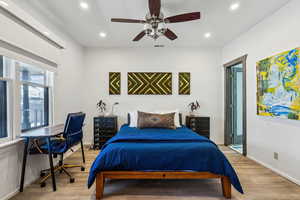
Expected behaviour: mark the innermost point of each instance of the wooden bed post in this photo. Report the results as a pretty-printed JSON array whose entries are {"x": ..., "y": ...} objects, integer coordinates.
[
  {"x": 226, "y": 187},
  {"x": 99, "y": 186}
]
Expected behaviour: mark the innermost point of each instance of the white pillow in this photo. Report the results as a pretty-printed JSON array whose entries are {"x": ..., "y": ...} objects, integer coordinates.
[{"x": 134, "y": 117}]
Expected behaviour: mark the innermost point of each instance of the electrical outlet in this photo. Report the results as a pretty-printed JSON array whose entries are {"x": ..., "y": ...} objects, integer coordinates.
[{"x": 276, "y": 156}]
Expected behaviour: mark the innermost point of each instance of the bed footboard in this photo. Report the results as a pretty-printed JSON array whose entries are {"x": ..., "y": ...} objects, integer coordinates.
[{"x": 100, "y": 180}]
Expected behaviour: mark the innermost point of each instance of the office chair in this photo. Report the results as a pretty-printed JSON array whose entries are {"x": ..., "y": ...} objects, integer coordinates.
[{"x": 71, "y": 136}]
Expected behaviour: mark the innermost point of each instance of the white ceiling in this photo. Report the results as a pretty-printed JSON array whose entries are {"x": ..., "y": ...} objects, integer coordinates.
[{"x": 84, "y": 26}]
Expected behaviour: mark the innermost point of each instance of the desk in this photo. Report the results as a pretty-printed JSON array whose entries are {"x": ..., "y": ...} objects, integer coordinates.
[{"x": 45, "y": 133}]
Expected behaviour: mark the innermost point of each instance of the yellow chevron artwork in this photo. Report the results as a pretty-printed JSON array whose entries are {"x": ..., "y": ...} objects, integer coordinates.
[
  {"x": 184, "y": 83},
  {"x": 149, "y": 83},
  {"x": 114, "y": 83}
]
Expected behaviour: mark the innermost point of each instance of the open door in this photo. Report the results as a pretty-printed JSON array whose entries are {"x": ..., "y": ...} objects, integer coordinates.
[{"x": 235, "y": 105}]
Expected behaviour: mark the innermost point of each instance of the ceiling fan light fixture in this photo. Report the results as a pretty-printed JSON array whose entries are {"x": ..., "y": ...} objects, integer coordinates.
[
  {"x": 162, "y": 28},
  {"x": 148, "y": 29},
  {"x": 155, "y": 22}
]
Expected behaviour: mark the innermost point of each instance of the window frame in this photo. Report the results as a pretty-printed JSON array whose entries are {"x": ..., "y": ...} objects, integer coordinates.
[
  {"x": 47, "y": 87},
  {"x": 11, "y": 75},
  {"x": 7, "y": 78}
]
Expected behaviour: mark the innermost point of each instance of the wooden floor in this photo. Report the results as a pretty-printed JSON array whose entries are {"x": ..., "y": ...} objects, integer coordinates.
[{"x": 259, "y": 184}]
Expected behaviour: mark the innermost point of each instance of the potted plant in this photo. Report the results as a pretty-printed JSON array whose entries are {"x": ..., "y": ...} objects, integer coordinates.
[
  {"x": 101, "y": 106},
  {"x": 194, "y": 106}
]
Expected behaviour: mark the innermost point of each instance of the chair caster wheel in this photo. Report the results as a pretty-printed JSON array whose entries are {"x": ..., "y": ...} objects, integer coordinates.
[
  {"x": 72, "y": 180},
  {"x": 82, "y": 169},
  {"x": 43, "y": 185},
  {"x": 42, "y": 174}
]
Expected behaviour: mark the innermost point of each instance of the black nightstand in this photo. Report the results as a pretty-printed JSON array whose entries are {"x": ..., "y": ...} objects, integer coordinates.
[
  {"x": 104, "y": 129},
  {"x": 200, "y": 125}
]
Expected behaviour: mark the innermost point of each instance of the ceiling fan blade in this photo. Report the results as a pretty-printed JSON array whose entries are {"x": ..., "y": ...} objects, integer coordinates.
[
  {"x": 184, "y": 17},
  {"x": 139, "y": 36},
  {"x": 128, "y": 20},
  {"x": 170, "y": 34},
  {"x": 154, "y": 7}
]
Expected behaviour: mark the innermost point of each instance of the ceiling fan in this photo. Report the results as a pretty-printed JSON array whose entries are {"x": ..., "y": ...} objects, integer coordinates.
[{"x": 155, "y": 22}]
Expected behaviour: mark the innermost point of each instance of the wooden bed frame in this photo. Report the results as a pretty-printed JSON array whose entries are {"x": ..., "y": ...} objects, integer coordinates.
[{"x": 100, "y": 180}]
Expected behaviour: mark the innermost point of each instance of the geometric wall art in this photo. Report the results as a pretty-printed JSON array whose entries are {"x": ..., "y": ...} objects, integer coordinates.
[
  {"x": 149, "y": 83},
  {"x": 114, "y": 83},
  {"x": 184, "y": 83},
  {"x": 278, "y": 85}
]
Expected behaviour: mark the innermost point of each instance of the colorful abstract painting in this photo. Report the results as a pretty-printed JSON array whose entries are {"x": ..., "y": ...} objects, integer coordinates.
[{"x": 278, "y": 85}]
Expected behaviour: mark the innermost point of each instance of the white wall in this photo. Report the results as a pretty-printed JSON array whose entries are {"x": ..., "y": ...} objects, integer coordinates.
[
  {"x": 67, "y": 98},
  {"x": 275, "y": 34},
  {"x": 204, "y": 65},
  {"x": 12, "y": 31},
  {"x": 68, "y": 82}
]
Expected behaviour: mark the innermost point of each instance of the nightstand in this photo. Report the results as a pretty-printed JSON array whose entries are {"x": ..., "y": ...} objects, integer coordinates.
[
  {"x": 105, "y": 127},
  {"x": 200, "y": 125}
]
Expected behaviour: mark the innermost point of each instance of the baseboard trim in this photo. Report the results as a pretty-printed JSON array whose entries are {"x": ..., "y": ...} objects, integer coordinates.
[
  {"x": 285, "y": 175},
  {"x": 15, "y": 192}
]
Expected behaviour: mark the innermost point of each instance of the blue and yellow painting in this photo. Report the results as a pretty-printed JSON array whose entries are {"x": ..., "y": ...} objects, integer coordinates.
[{"x": 278, "y": 85}]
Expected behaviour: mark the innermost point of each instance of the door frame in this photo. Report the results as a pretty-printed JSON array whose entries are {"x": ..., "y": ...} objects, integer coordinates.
[{"x": 227, "y": 126}]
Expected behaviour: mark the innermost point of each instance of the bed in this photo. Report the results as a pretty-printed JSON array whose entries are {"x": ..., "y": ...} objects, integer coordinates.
[{"x": 161, "y": 154}]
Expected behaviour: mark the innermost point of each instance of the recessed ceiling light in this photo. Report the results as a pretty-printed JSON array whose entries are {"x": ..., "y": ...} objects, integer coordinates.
[
  {"x": 207, "y": 35},
  {"x": 84, "y": 5},
  {"x": 102, "y": 34},
  {"x": 3, "y": 3},
  {"x": 234, "y": 6}
]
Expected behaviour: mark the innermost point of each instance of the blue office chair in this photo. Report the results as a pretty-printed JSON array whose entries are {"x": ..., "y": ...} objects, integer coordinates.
[{"x": 71, "y": 136}]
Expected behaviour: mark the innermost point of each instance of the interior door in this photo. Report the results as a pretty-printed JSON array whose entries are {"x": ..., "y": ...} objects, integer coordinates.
[
  {"x": 234, "y": 104},
  {"x": 237, "y": 105}
]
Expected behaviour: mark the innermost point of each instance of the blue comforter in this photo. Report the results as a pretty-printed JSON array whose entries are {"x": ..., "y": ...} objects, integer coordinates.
[{"x": 135, "y": 149}]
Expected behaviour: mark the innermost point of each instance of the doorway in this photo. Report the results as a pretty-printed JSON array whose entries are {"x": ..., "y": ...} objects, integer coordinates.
[{"x": 235, "y": 105}]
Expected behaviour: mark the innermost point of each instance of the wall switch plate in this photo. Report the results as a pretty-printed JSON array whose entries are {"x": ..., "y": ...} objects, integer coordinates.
[{"x": 276, "y": 156}]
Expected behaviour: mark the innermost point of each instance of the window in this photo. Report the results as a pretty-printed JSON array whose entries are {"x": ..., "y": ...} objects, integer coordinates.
[
  {"x": 5, "y": 91},
  {"x": 3, "y": 109},
  {"x": 34, "y": 97},
  {"x": 25, "y": 97},
  {"x": 3, "y": 101}
]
